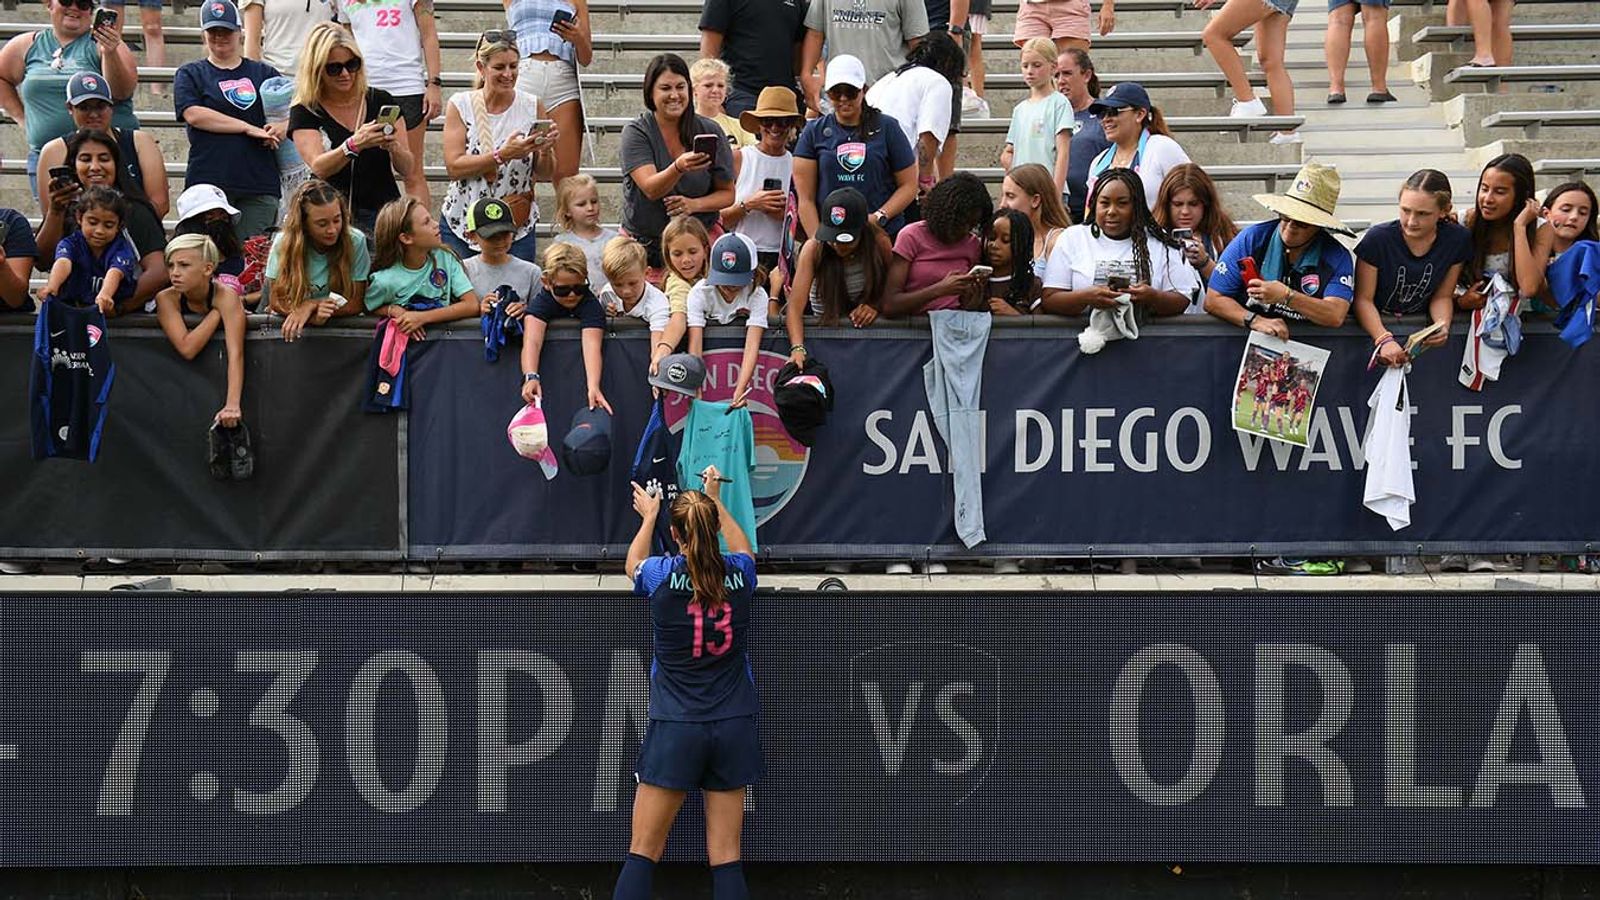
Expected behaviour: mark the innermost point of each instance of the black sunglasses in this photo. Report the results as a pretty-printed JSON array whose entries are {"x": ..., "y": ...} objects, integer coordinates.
[
  {"x": 843, "y": 92},
  {"x": 498, "y": 36},
  {"x": 567, "y": 290},
  {"x": 335, "y": 69},
  {"x": 84, "y": 5}
]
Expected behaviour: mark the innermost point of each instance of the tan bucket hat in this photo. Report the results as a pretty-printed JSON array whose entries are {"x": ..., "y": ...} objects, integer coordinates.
[
  {"x": 773, "y": 103},
  {"x": 1310, "y": 199}
]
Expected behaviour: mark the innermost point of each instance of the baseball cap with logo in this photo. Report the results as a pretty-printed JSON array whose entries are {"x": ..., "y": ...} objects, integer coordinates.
[
  {"x": 804, "y": 397},
  {"x": 845, "y": 69},
  {"x": 1121, "y": 96},
  {"x": 844, "y": 216},
  {"x": 682, "y": 373},
  {"x": 733, "y": 260},
  {"x": 87, "y": 86},
  {"x": 489, "y": 217},
  {"x": 586, "y": 450},
  {"x": 203, "y": 198},
  {"x": 219, "y": 14}
]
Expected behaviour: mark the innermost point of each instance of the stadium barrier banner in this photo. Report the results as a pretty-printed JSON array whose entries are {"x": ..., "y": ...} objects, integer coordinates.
[
  {"x": 1127, "y": 452},
  {"x": 200, "y": 730}
]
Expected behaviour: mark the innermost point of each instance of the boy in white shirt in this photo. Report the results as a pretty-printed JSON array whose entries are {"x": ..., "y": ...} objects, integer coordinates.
[
  {"x": 731, "y": 289},
  {"x": 627, "y": 293}
]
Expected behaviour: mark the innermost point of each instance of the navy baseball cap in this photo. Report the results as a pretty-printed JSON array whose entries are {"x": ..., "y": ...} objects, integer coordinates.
[
  {"x": 87, "y": 86},
  {"x": 843, "y": 216},
  {"x": 681, "y": 373},
  {"x": 733, "y": 260},
  {"x": 586, "y": 450},
  {"x": 219, "y": 14},
  {"x": 1122, "y": 96}
]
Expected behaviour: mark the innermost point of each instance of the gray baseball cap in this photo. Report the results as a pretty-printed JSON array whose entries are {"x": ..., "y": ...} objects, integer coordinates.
[{"x": 680, "y": 372}]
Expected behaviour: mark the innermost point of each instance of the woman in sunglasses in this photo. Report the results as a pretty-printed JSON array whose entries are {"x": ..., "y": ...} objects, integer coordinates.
[
  {"x": 553, "y": 39},
  {"x": 37, "y": 65},
  {"x": 855, "y": 146},
  {"x": 496, "y": 144},
  {"x": 338, "y": 127}
]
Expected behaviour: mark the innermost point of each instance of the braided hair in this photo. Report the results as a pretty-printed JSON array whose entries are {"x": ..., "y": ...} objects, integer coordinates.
[
  {"x": 1019, "y": 291},
  {"x": 1144, "y": 227}
]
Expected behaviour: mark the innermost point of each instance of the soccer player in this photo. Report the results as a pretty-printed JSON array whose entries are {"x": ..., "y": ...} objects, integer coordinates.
[
  {"x": 703, "y": 705},
  {"x": 1301, "y": 395}
]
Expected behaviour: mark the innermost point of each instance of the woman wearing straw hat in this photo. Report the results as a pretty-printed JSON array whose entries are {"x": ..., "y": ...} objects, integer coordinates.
[
  {"x": 761, "y": 173},
  {"x": 1303, "y": 273}
]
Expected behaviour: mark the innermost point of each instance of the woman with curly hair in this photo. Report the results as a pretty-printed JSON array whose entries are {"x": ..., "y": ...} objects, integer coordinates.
[
  {"x": 1123, "y": 242},
  {"x": 933, "y": 258}
]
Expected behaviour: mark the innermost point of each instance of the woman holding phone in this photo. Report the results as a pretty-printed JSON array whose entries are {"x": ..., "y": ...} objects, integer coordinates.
[
  {"x": 497, "y": 143},
  {"x": 552, "y": 37},
  {"x": 674, "y": 162},
  {"x": 350, "y": 135}
]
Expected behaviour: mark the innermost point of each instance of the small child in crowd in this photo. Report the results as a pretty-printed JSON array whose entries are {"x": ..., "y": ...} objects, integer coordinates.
[
  {"x": 627, "y": 293},
  {"x": 686, "y": 247},
  {"x": 97, "y": 263},
  {"x": 192, "y": 265},
  {"x": 578, "y": 215},
  {"x": 731, "y": 291},
  {"x": 416, "y": 280},
  {"x": 490, "y": 227},
  {"x": 1013, "y": 289},
  {"x": 566, "y": 295},
  {"x": 1042, "y": 125},
  {"x": 710, "y": 77}
]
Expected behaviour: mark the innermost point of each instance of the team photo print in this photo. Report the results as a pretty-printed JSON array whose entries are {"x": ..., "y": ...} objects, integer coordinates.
[{"x": 1276, "y": 390}]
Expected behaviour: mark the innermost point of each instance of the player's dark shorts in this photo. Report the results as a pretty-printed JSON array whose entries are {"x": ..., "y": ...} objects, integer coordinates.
[{"x": 714, "y": 756}]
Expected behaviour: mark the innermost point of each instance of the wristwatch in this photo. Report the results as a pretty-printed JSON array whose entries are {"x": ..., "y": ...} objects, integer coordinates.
[
  {"x": 436, "y": 81},
  {"x": 956, "y": 30},
  {"x": 1249, "y": 317},
  {"x": 881, "y": 218},
  {"x": 530, "y": 376}
]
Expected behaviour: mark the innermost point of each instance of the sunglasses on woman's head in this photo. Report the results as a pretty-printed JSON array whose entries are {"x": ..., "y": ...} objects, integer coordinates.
[
  {"x": 843, "y": 92},
  {"x": 498, "y": 36},
  {"x": 567, "y": 290},
  {"x": 335, "y": 69}
]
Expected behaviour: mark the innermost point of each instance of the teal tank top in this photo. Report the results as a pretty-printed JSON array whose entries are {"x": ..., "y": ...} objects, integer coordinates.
[{"x": 44, "y": 87}]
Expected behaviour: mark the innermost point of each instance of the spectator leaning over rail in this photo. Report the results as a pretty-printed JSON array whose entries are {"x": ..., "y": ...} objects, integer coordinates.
[
  {"x": 1305, "y": 274},
  {"x": 96, "y": 162},
  {"x": 1411, "y": 265},
  {"x": 1075, "y": 78},
  {"x": 319, "y": 265},
  {"x": 89, "y": 102},
  {"x": 17, "y": 253},
  {"x": 854, "y": 146},
  {"x": 276, "y": 31},
  {"x": 400, "y": 40},
  {"x": 416, "y": 280},
  {"x": 554, "y": 39},
  {"x": 335, "y": 126},
  {"x": 759, "y": 40},
  {"x": 192, "y": 260},
  {"x": 1122, "y": 239},
  {"x": 491, "y": 148},
  {"x": 36, "y": 66},
  {"x": 877, "y": 33},
  {"x": 663, "y": 176},
  {"x": 230, "y": 142}
]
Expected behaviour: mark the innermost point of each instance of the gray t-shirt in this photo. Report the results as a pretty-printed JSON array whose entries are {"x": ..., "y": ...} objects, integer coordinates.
[
  {"x": 522, "y": 275},
  {"x": 592, "y": 248},
  {"x": 643, "y": 145},
  {"x": 874, "y": 31}
]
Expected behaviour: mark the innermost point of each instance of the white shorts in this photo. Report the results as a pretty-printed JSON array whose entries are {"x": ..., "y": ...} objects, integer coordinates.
[{"x": 553, "y": 81}]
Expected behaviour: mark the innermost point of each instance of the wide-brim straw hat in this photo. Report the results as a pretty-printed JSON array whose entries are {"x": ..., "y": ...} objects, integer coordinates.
[
  {"x": 773, "y": 103},
  {"x": 1310, "y": 199}
]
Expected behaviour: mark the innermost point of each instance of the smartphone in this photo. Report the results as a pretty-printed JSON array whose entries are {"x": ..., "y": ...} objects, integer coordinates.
[
  {"x": 1117, "y": 282},
  {"x": 1183, "y": 234},
  {"x": 387, "y": 116},
  {"x": 772, "y": 184},
  {"x": 62, "y": 173},
  {"x": 540, "y": 127},
  {"x": 980, "y": 271},
  {"x": 706, "y": 144},
  {"x": 103, "y": 16},
  {"x": 1248, "y": 271},
  {"x": 560, "y": 16}
]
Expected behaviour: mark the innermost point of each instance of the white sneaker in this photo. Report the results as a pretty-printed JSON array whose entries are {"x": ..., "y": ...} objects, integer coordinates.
[
  {"x": 1249, "y": 109},
  {"x": 899, "y": 568},
  {"x": 18, "y": 568},
  {"x": 1285, "y": 137},
  {"x": 1007, "y": 567}
]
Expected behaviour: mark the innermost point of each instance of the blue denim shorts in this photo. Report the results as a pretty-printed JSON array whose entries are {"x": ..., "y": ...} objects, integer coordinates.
[
  {"x": 1287, "y": 7},
  {"x": 689, "y": 756}
]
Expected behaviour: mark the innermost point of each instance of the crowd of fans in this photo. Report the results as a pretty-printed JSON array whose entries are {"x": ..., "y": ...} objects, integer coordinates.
[{"x": 765, "y": 181}]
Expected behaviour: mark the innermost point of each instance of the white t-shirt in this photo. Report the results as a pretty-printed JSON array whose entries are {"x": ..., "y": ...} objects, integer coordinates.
[
  {"x": 1080, "y": 260},
  {"x": 284, "y": 26},
  {"x": 653, "y": 308},
  {"x": 390, "y": 42},
  {"x": 521, "y": 275},
  {"x": 918, "y": 98},
  {"x": 706, "y": 303},
  {"x": 516, "y": 175},
  {"x": 1161, "y": 154},
  {"x": 756, "y": 167}
]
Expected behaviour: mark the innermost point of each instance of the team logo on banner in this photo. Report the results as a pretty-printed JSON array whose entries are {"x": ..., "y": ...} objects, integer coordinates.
[
  {"x": 852, "y": 155},
  {"x": 729, "y": 259},
  {"x": 780, "y": 459},
  {"x": 94, "y": 334},
  {"x": 836, "y": 215},
  {"x": 241, "y": 92}
]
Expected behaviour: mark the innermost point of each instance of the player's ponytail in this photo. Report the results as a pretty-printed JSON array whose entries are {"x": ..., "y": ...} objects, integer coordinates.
[{"x": 694, "y": 515}]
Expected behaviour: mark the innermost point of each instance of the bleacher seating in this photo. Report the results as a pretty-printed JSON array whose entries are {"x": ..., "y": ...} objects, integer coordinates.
[
  {"x": 1533, "y": 121},
  {"x": 1492, "y": 77},
  {"x": 1459, "y": 37}
]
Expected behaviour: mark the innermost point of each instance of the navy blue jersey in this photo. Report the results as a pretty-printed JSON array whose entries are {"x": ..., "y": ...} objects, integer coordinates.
[
  {"x": 701, "y": 671},
  {"x": 70, "y": 382},
  {"x": 655, "y": 465}
]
